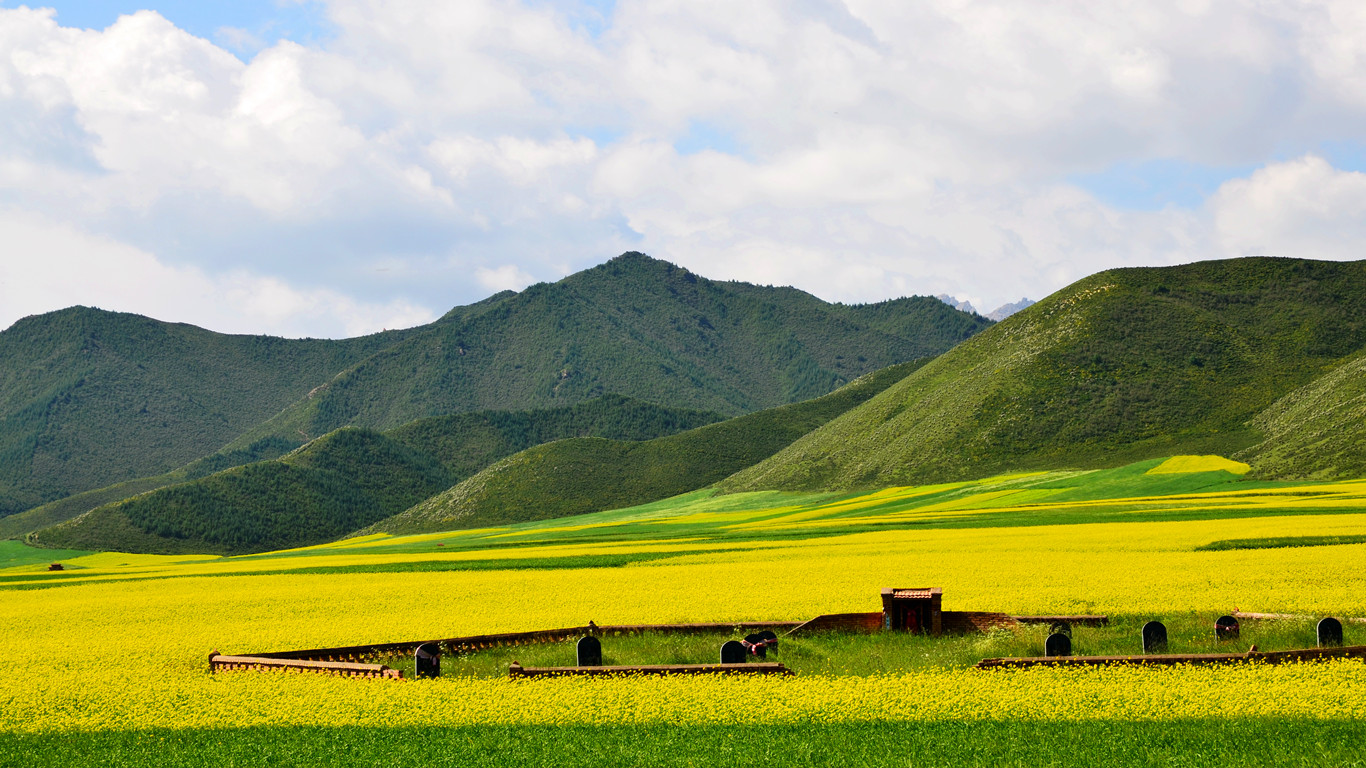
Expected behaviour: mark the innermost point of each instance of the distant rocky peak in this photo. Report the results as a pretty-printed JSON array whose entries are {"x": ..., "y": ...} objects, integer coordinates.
[
  {"x": 961, "y": 306},
  {"x": 996, "y": 315},
  {"x": 1006, "y": 310}
]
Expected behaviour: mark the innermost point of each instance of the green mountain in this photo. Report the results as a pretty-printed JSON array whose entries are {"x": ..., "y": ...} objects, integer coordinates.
[
  {"x": 1318, "y": 431},
  {"x": 336, "y": 483},
  {"x": 1124, "y": 365},
  {"x": 464, "y": 443},
  {"x": 574, "y": 476},
  {"x": 67, "y": 507},
  {"x": 467, "y": 442},
  {"x": 89, "y": 398},
  {"x": 92, "y": 399},
  {"x": 635, "y": 326},
  {"x": 344, "y": 480}
]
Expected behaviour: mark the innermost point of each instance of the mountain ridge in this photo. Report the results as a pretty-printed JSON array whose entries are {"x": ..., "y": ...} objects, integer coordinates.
[
  {"x": 637, "y": 326},
  {"x": 91, "y": 399},
  {"x": 1123, "y": 365}
]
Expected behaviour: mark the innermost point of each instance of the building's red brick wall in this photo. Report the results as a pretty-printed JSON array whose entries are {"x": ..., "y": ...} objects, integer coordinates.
[
  {"x": 843, "y": 622},
  {"x": 977, "y": 621}
]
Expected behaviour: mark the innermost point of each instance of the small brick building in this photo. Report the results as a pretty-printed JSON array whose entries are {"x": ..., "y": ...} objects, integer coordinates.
[
  {"x": 911, "y": 609},
  {"x": 915, "y": 609}
]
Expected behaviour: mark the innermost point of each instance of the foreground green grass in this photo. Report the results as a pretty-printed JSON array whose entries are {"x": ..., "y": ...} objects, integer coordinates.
[{"x": 1231, "y": 742}]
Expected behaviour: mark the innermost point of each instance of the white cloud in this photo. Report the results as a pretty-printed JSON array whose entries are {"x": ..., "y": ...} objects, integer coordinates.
[
  {"x": 505, "y": 278},
  {"x": 521, "y": 162},
  {"x": 46, "y": 265},
  {"x": 861, "y": 150},
  {"x": 1303, "y": 208}
]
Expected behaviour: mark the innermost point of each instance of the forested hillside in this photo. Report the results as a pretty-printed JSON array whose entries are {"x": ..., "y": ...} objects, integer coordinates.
[
  {"x": 338, "y": 482},
  {"x": 342, "y": 481},
  {"x": 1124, "y": 365},
  {"x": 67, "y": 507},
  {"x": 467, "y": 442},
  {"x": 634, "y": 326},
  {"x": 574, "y": 476}
]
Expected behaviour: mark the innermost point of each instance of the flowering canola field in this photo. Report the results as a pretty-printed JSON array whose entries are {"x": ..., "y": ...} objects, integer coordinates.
[{"x": 120, "y": 642}]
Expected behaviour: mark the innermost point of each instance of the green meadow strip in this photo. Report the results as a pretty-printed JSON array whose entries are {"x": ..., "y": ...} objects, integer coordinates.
[
  {"x": 44, "y": 580},
  {"x": 1227, "y": 742},
  {"x": 17, "y": 553},
  {"x": 1278, "y": 542}
]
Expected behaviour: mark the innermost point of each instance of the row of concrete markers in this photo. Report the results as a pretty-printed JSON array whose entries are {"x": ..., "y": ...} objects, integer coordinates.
[
  {"x": 757, "y": 645},
  {"x": 588, "y": 652},
  {"x": 1154, "y": 635},
  {"x": 732, "y": 651},
  {"x": 1059, "y": 643}
]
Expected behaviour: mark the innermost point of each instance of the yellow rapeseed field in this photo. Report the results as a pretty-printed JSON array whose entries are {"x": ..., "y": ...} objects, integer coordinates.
[{"x": 125, "y": 644}]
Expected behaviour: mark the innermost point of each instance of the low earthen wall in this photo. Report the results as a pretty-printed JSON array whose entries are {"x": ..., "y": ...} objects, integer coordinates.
[
  {"x": 841, "y": 622},
  {"x": 976, "y": 621}
]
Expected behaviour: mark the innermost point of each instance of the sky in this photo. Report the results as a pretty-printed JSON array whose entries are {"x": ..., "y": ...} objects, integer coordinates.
[{"x": 336, "y": 167}]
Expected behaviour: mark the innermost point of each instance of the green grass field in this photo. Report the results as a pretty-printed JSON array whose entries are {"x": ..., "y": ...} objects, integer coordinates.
[{"x": 1195, "y": 743}]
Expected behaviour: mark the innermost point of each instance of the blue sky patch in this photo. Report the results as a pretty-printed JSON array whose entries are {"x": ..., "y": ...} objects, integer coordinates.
[
  {"x": 1344, "y": 155},
  {"x": 269, "y": 21},
  {"x": 703, "y": 135},
  {"x": 592, "y": 16},
  {"x": 1151, "y": 185}
]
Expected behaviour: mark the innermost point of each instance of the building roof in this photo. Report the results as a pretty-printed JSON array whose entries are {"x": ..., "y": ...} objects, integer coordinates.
[{"x": 916, "y": 593}]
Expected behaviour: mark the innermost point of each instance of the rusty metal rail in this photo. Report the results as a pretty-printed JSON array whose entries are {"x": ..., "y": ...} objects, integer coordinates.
[
  {"x": 689, "y": 629},
  {"x": 507, "y": 639},
  {"x": 221, "y": 663},
  {"x": 1266, "y": 657},
  {"x": 449, "y": 645},
  {"x": 518, "y": 672}
]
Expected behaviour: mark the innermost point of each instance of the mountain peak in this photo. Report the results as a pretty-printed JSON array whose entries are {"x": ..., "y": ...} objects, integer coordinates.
[
  {"x": 996, "y": 315},
  {"x": 636, "y": 261},
  {"x": 961, "y": 306},
  {"x": 1006, "y": 310},
  {"x": 635, "y": 256}
]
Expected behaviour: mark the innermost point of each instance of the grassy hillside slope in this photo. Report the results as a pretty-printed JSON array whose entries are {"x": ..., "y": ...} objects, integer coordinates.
[
  {"x": 341, "y": 481},
  {"x": 89, "y": 398},
  {"x": 1123, "y": 365},
  {"x": 571, "y": 477},
  {"x": 1317, "y": 431},
  {"x": 635, "y": 326}
]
